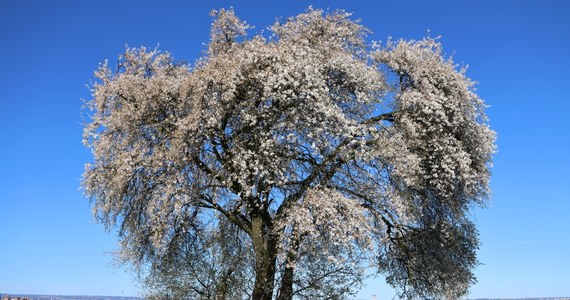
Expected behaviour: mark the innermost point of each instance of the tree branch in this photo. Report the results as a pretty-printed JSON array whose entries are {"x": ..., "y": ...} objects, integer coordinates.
[
  {"x": 236, "y": 218},
  {"x": 383, "y": 117}
]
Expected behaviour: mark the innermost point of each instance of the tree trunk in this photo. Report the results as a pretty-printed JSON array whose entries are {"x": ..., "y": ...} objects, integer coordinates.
[
  {"x": 286, "y": 289},
  {"x": 222, "y": 287},
  {"x": 264, "y": 245}
]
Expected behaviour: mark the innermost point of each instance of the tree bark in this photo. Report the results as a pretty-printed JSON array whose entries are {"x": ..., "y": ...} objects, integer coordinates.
[
  {"x": 222, "y": 289},
  {"x": 264, "y": 245},
  {"x": 286, "y": 289}
]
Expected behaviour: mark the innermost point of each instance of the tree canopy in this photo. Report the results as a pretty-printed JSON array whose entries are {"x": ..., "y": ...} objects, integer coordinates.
[{"x": 283, "y": 166}]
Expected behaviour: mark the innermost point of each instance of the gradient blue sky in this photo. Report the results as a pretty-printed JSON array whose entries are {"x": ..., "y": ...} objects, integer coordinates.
[{"x": 518, "y": 51}]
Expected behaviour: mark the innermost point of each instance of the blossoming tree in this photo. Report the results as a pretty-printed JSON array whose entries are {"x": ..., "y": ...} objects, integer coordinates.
[{"x": 298, "y": 159}]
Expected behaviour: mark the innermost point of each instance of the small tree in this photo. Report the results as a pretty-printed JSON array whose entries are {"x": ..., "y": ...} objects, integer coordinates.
[{"x": 296, "y": 160}]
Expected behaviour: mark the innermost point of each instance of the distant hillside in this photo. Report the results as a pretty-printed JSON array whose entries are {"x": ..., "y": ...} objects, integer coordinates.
[
  {"x": 551, "y": 298},
  {"x": 60, "y": 297}
]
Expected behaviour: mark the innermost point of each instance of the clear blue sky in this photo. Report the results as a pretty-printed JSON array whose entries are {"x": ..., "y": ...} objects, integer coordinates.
[{"x": 518, "y": 51}]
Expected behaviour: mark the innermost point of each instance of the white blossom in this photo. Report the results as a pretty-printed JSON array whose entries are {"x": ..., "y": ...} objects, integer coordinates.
[{"x": 326, "y": 154}]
